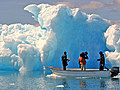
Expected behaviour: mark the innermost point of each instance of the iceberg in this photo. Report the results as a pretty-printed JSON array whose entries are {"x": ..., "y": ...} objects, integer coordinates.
[
  {"x": 27, "y": 47},
  {"x": 19, "y": 47},
  {"x": 112, "y": 36},
  {"x": 70, "y": 30}
]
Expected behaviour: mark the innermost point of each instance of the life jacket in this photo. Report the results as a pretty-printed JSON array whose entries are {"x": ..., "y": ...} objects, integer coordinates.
[{"x": 82, "y": 61}]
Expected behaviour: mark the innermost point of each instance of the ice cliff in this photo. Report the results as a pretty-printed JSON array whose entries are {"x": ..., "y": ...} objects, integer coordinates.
[{"x": 61, "y": 29}]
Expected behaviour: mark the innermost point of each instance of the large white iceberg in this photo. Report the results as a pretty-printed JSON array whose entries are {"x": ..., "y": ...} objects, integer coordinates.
[
  {"x": 70, "y": 30},
  {"x": 61, "y": 29}
]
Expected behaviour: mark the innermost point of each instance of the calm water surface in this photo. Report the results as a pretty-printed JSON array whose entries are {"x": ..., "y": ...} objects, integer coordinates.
[{"x": 47, "y": 81}]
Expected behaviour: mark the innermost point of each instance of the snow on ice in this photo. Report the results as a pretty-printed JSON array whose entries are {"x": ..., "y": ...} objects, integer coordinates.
[{"x": 26, "y": 47}]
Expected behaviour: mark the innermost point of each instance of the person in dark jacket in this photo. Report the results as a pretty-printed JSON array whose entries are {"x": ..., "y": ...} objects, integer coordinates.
[
  {"x": 64, "y": 60},
  {"x": 102, "y": 61}
]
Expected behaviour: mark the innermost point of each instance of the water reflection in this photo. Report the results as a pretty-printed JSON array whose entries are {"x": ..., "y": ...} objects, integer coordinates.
[
  {"x": 82, "y": 84},
  {"x": 38, "y": 81},
  {"x": 92, "y": 83},
  {"x": 6, "y": 73},
  {"x": 115, "y": 79},
  {"x": 102, "y": 83},
  {"x": 114, "y": 83},
  {"x": 64, "y": 82}
]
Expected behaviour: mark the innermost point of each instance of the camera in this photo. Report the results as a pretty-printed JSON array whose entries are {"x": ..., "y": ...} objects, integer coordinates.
[{"x": 84, "y": 54}]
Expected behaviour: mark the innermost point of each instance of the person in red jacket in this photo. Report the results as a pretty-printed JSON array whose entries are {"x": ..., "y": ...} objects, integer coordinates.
[{"x": 82, "y": 60}]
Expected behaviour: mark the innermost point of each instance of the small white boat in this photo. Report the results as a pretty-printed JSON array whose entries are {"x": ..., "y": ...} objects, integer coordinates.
[{"x": 78, "y": 73}]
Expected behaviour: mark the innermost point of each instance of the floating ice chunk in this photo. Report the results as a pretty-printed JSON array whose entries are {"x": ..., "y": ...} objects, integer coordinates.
[
  {"x": 60, "y": 86},
  {"x": 54, "y": 76},
  {"x": 11, "y": 83}
]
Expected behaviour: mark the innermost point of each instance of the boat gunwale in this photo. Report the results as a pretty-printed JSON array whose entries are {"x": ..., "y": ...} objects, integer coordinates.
[{"x": 76, "y": 69}]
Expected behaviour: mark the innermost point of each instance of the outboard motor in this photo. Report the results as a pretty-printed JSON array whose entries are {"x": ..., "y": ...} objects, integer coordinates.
[{"x": 114, "y": 71}]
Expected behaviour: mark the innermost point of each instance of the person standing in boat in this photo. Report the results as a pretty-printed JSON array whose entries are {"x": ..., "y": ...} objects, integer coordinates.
[
  {"x": 64, "y": 60},
  {"x": 102, "y": 61},
  {"x": 82, "y": 61}
]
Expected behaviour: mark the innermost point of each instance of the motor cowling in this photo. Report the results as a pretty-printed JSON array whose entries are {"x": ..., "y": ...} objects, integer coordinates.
[{"x": 114, "y": 71}]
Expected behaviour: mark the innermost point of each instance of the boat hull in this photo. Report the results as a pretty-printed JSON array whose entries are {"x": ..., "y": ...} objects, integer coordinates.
[{"x": 79, "y": 73}]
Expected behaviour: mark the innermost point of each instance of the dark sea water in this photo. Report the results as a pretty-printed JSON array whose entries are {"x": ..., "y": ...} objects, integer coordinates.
[{"x": 47, "y": 81}]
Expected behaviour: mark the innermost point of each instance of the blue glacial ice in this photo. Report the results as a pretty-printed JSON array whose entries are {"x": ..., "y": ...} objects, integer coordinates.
[{"x": 27, "y": 47}]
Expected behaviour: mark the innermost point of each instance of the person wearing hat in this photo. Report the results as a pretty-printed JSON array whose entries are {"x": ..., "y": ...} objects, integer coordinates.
[{"x": 102, "y": 61}]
